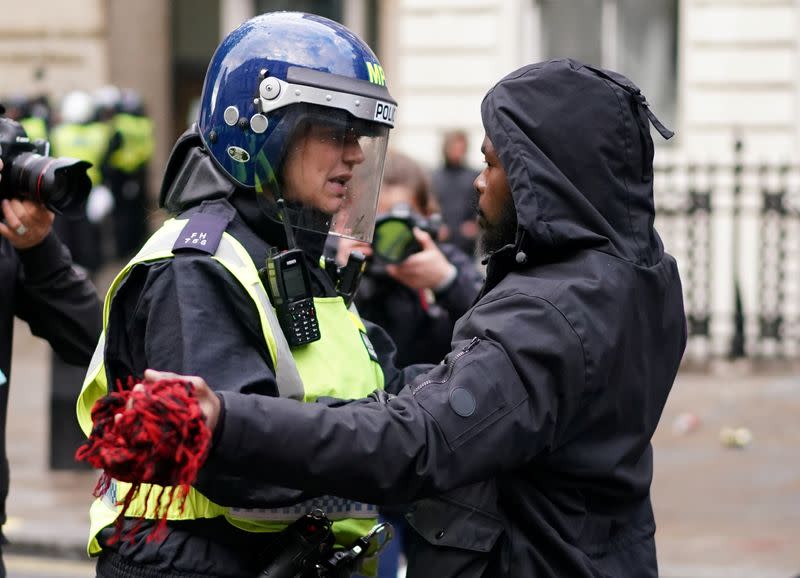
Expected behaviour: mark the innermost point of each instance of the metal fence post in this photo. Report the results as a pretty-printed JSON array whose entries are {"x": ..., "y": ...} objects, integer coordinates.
[{"x": 737, "y": 349}]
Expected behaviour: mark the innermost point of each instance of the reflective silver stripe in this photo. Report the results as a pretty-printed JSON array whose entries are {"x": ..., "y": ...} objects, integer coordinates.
[
  {"x": 97, "y": 356},
  {"x": 109, "y": 498},
  {"x": 160, "y": 242},
  {"x": 335, "y": 508}
]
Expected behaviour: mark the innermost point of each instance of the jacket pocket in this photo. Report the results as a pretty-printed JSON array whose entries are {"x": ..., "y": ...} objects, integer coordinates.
[
  {"x": 457, "y": 533},
  {"x": 476, "y": 386}
]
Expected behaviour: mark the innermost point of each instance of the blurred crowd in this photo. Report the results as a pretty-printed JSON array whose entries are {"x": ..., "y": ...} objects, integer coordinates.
[{"x": 109, "y": 128}]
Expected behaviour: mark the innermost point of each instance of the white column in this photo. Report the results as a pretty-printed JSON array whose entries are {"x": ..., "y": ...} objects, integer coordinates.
[
  {"x": 234, "y": 12},
  {"x": 797, "y": 79},
  {"x": 354, "y": 16},
  {"x": 722, "y": 271},
  {"x": 610, "y": 34}
]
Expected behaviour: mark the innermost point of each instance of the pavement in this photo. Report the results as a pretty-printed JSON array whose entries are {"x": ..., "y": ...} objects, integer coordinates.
[{"x": 721, "y": 511}]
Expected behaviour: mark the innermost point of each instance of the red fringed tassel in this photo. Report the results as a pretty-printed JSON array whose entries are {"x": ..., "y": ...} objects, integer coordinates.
[{"x": 152, "y": 435}]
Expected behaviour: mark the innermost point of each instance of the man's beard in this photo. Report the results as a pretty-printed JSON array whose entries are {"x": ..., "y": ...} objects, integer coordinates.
[{"x": 495, "y": 236}]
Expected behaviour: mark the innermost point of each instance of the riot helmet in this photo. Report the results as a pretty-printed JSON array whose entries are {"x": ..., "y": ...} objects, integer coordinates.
[
  {"x": 131, "y": 102},
  {"x": 295, "y": 107},
  {"x": 107, "y": 100},
  {"x": 76, "y": 107}
]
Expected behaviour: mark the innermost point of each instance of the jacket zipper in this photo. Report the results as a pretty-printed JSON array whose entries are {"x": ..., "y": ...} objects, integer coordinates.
[{"x": 467, "y": 348}]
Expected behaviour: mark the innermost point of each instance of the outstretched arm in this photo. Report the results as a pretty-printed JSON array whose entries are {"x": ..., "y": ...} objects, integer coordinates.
[{"x": 463, "y": 421}]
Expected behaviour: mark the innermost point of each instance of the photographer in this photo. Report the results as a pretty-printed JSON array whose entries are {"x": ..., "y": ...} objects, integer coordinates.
[
  {"x": 39, "y": 284},
  {"x": 418, "y": 299}
]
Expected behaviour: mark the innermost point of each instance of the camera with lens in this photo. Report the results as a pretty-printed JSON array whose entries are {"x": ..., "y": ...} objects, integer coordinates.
[
  {"x": 394, "y": 241},
  {"x": 61, "y": 184}
]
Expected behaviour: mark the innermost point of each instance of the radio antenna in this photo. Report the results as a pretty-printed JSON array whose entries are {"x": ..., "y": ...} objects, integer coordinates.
[{"x": 286, "y": 226}]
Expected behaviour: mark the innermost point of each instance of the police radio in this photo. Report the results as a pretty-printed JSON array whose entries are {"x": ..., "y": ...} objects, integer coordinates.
[{"x": 288, "y": 282}]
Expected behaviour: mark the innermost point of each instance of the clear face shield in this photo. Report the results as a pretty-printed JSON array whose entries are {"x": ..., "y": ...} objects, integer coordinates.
[{"x": 327, "y": 166}]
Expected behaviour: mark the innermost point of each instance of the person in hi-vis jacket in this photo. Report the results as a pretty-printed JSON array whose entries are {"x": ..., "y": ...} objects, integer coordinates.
[{"x": 288, "y": 148}]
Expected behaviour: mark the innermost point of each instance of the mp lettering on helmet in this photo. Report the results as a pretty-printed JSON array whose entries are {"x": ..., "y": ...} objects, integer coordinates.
[
  {"x": 376, "y": 75},
  {"x": 384, "y": 112}
]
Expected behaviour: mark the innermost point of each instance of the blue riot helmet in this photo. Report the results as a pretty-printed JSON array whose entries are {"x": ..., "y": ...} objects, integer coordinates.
[{"x": 295, "y": 107}]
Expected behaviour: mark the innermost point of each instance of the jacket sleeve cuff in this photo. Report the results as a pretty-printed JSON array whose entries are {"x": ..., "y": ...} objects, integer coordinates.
[
  {"x": 39, "y": 260},
  {"x": 448, "y": 281},
  {"x": 228, "y": 432},
  {"x": 220, "y": 422}
]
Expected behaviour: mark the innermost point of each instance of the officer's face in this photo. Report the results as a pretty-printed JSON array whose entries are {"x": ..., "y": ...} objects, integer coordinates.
[
  {"x": 497, "y": 215},
  {"x": 320, "y": 165}
]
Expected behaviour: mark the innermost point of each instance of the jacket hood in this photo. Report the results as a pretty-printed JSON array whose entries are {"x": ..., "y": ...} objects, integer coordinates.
[
  {"x": 191, "y": 175},
  {"x": 575, "y": 143}
]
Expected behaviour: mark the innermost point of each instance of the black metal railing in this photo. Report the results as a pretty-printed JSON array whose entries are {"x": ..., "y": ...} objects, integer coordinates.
[{"x": 734, "y": 227}]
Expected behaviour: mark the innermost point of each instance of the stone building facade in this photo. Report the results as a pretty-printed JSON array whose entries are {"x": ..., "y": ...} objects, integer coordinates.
[{"x": 716, "y": 71}]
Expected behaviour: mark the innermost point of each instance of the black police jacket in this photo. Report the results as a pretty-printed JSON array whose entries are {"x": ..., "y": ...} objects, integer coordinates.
[
  {"x": 187, "y": 314},
  {"x": 528, "y": 451},
  {"x": 41, "y": 286}
]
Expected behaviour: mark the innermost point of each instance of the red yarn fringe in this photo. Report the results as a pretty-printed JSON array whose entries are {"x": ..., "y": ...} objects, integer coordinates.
[{"x": 155, "y": 434}]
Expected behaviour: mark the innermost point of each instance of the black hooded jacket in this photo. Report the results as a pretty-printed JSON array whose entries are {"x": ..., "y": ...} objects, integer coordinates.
[{"x": 528, "y": 451}]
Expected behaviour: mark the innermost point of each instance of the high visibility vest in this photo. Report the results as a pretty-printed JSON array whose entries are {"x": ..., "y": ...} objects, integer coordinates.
[
  {"x": 304, "y": 373},
  {"x": 35, "y": 127},
  {"x": 137, "y": 144},
  {"x": 86, "y": 142}
]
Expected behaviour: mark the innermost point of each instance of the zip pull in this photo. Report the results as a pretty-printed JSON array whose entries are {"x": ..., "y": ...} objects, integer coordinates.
[
  {"x": 450, "y": 364},
  {"x": 659, "y": 126},
  {"x": 640, "y": 105},
  {"x": 469, "y": 346}
]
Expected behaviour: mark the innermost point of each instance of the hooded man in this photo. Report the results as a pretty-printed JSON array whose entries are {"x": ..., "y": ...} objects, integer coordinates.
[{"x": 527, "y": 451}]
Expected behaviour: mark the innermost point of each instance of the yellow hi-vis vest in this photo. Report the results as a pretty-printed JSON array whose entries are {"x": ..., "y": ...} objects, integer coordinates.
[
  {"x": 35, "y": 127},
  {"x": 340, "y": 364},
  {"x": 86, "y": 142},
  {"x": 137, "y": 144}
]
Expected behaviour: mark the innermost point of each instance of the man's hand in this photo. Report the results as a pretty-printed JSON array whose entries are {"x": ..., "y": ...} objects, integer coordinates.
[
  {"x": 26, "y": 223},
  {"x": 208, "y": 400},
  {"x": 427, "y": 269}
]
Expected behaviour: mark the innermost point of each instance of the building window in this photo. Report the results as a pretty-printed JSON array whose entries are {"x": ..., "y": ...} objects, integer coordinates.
[{"x": 635, "y": 37}]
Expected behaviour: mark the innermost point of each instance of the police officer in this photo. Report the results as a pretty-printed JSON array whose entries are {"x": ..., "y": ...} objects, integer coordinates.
[
  {"x": 528, "y": 451},
  {"x": 127, "y": 172},
  {"x": 288, "y": 148},
  {"x": 80, "y": 135},
  {"x": 32, "y": 113}
]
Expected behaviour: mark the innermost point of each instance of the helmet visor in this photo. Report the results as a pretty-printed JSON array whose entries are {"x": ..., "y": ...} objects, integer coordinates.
[{"x": 328, "y": 170}]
